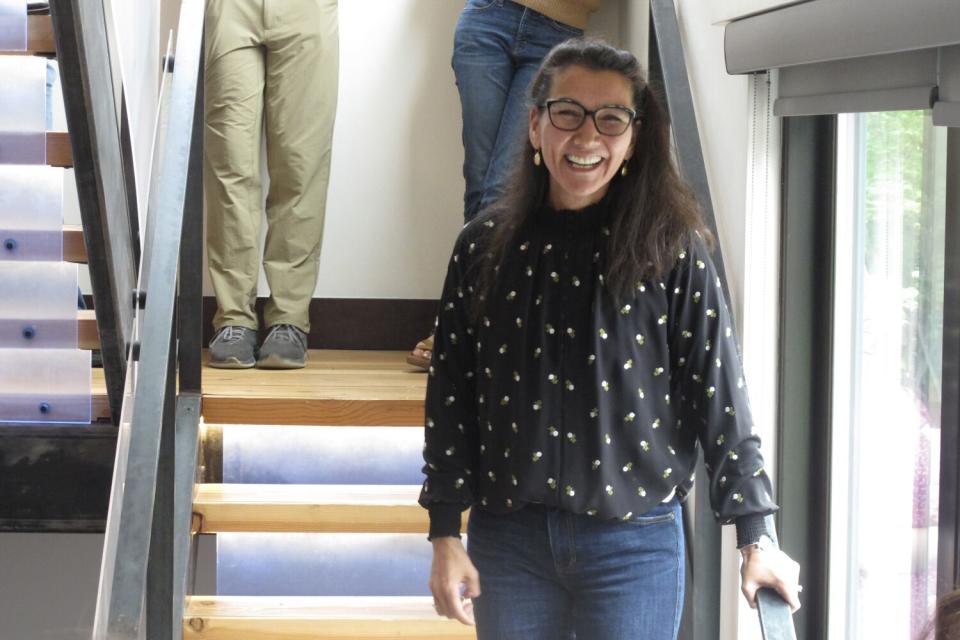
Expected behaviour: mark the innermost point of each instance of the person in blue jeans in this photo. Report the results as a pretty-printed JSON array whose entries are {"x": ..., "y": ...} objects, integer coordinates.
[
  {"x": 584, "y": 355},
  {"x": 498, "y": 46}
]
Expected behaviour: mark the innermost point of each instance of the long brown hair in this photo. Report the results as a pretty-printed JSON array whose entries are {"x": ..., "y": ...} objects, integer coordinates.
[{"x": 654, "y": 213}]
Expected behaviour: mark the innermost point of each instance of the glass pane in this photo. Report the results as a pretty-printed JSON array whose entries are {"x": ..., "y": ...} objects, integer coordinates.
[
  {"x": 31, "y": 213},
  {"x": 894, "y": 346},
  {"x": 24, "y": 105},
  {"x": 38, "y": 305},
  {"x": 45, "y": 385},
  {"x": 323, "y": 564},
  {"x": 23, "y": 147},
  {"x": 13, "y": 25}
]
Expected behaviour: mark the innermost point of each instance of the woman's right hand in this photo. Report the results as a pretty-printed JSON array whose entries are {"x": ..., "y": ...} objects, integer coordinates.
[{"x": 451, "y": 568}]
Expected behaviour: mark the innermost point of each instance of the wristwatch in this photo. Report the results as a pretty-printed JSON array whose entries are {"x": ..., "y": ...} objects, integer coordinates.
[{"x": 764, "y": 543}]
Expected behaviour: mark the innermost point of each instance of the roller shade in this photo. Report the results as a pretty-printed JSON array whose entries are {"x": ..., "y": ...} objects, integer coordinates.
[
  {"x": 896, "y": 81},
  {"x": 837, "y": 56},
  {"x": 946, "y": 110}
]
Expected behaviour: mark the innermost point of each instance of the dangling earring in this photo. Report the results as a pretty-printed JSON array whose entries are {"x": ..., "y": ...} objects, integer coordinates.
[
  {"x": 536, "y": 158},
  {"x": 623, "y": 169}
]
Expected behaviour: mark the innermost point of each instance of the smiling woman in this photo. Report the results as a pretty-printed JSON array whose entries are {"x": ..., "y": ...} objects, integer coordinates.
[
  {"x": 582, "y": 160},
  {"x": 583, "y": 350}
]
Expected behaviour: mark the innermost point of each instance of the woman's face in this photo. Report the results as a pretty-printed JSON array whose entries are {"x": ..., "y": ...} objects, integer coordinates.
[{"x": 582, "y": 162}]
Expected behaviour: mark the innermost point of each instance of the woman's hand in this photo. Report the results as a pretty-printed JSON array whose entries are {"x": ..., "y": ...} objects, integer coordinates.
[
  {"x": 451, "y": 568},
  {"x": 770, "y": 568}
]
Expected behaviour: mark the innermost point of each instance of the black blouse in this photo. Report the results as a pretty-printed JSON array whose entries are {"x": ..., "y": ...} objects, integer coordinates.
[{"x": 563, "y": 397}]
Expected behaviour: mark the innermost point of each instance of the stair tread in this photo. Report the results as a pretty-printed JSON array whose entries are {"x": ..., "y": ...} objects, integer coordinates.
[
  {"x": 74, "y": 249},
  {"x": 264, "y": 617},
  {"x": 309, "y": 494},
  {"x": 87, "y": 335},
  {"x": 313, "y": 508},
  {"x": 59, "y": 151},
  {"x": 369, "y": 607},
  {"x": 338, "y": 387}
]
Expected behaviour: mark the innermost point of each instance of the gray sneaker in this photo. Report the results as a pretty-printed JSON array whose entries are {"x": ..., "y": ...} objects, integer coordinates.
[
  {"x": 233, "y": 348},
  {"x": 284, "y": 348}
]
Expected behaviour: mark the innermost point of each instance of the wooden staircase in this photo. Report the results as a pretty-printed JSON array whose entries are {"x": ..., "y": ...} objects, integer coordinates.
[{"x": 337, "y": 389}]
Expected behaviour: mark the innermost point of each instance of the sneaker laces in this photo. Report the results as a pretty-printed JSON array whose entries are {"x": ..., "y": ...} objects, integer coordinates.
[
  {"x": 231, "y": 335},
  {"x": 287, "y": 333}
]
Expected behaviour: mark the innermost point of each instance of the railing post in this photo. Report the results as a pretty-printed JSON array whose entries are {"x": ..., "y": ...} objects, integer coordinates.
[
  {"x": 190, "y": 329},
  {"x": 88, "y": 93},
  {"x": 160, "y": 568},
  {"x": 668, "y": 69}
]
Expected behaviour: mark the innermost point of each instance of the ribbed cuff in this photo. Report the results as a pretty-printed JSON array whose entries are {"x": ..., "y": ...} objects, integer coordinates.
[
  {"x": 750, "y": 528},
  {"x": 444, "y": 520}
]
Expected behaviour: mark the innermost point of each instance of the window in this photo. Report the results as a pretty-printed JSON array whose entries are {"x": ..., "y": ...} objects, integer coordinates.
[{"x": 887, "y": 373}]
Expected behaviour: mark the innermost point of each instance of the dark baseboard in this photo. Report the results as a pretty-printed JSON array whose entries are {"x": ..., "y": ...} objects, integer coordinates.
[
  {"x": 355, "y": 323},
  {"x": 56, "y": 478},
  {"x": 352, "y": 323}
]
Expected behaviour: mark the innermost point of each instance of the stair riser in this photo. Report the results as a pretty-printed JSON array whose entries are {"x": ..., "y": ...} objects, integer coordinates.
[
  {"x": 323, "y": 565},
  {"x": 318, "y": 455}
]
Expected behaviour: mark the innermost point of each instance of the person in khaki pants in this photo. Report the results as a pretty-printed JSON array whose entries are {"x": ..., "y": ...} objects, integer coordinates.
[{"x": 271, "y": 68}]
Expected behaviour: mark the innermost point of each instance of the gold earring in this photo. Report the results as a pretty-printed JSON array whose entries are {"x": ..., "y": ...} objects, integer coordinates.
[
  {"x": 623, "y": 169},
  {"x": 536, "y": 158}
]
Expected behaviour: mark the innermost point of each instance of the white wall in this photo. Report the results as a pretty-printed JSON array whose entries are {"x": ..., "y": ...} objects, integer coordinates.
[
  {"x": 395, "y": 201},
  {"x": 725, "y": 10},
  {"x": 48, "y": 585}
]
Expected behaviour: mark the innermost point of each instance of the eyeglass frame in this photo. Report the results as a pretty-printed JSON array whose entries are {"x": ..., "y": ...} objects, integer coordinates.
[{"x": 634, "y": 117}]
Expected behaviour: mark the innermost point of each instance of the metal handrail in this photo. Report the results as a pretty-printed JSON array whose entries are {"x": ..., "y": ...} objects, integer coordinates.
[
  {"x": 146, "y": 551},
  {"x": 667, "y": 60}
]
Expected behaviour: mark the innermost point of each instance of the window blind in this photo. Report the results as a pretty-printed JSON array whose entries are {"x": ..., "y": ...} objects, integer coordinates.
[{"x": 838, "y": 56}]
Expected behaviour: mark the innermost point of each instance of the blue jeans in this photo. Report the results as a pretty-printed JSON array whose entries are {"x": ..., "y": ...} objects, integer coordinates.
[
  {"x": 549, "y": 574},
  {"x": 498, "y": 47}
]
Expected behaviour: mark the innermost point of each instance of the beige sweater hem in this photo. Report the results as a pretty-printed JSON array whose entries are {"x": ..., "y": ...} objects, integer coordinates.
[{"x": 571, "y": 12}]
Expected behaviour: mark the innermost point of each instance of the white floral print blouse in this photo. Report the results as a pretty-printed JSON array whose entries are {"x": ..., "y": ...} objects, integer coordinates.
[{"x": 560, "y": 396}]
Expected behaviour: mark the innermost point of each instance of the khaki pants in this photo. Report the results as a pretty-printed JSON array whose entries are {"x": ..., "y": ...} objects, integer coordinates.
[{"x": 271, "y": 67}]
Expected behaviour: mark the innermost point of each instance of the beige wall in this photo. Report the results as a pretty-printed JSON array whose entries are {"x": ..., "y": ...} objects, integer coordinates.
[{"x": 396, "y": 187}]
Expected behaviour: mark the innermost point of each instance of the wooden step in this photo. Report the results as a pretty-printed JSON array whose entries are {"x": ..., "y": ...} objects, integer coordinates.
[
  {"x": 87, "y": 335},
  {"x": 59, "y": 151},
  {"x": 317, "y": 508},
  {"x": 40, "y": 39},
  {"x": 337, "y": 388},
  {"x": 74, "y": 249},
  {"x": 321, "y": 618}
]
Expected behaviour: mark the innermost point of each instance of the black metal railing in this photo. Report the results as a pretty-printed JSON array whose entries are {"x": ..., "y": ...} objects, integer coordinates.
[
  {"x": 102, "y": 177},
  {"x": 148, "y": 544},
  {"x": 668, "y": 70}
]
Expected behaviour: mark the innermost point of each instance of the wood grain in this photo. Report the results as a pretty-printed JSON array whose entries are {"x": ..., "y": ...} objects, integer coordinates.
[
  {"x": 337, "y": 388},
  {"x": 74, "y": 249},
  {"x": 59, "y": 151},
  {"x": 323, "y": 618},
  {"x": 87, "y": 334},
  {"x": 310, "y": 508}
]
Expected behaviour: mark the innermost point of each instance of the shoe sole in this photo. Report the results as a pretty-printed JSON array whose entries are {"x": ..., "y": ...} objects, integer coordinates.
[
  {"x": 419, "y": 361},
  {"x": 277, "y": 362},
  {"x": 232, "y": 363}
]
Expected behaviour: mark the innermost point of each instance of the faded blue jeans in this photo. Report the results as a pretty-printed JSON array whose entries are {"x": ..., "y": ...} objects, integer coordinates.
[
  {"x": 498, "y": 47},
  {"x": 547, "y": 574}
]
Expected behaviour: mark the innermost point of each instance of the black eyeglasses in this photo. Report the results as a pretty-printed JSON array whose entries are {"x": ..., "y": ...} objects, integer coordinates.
[{"x": 568, "y": 115}]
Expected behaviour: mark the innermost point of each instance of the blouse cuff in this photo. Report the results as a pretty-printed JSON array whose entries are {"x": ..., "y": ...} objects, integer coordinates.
[
  {"x": 749, "y": 529},
  {"x": 444, "y": 520}
]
